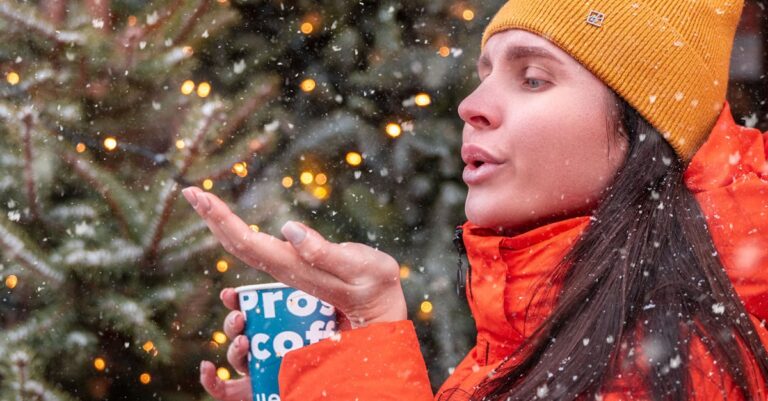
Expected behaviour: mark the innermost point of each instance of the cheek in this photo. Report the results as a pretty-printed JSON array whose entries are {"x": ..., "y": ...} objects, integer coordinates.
[{"x": 567, "y": 151}]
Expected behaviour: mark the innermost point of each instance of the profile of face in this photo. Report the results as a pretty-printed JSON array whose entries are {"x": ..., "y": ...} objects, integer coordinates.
[{"x": 538, "y": 139}]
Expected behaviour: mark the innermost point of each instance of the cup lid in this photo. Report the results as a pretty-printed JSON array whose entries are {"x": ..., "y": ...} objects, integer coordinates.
[{"x": 256, "y": 287}]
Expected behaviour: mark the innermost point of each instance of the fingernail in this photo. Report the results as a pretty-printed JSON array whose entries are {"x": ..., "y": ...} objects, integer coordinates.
[
  {"x": 205, "y": 204},
  {"x": 293, "y": 232},
  {"x": 202, "y": 365},
  {"x": 221, "y": 294},
  {"x": 189, "y": 193}
]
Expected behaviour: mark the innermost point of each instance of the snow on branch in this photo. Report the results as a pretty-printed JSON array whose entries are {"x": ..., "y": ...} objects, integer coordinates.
[
  {"x": 16, "y": 247},
  {"x": 32, "y": 23}
]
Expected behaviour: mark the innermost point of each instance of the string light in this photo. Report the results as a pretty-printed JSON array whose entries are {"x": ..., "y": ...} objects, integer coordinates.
[
  {"x": 145, "y": 378},
  {"x": 187, "y": 87},
  {"x": 110, "y": 143},
  {"x": 320, "y": 193},
  {"x": 405, "y": 271},
  {"x": 99, "y": 363},
  {"x": 426, "y": 307},
  {"x": 240, "y": 169},
  {"x": 148, "y": 346},
  {"x": 308, "y": 85},
  {"x": 468, "y": 14},
  {"x": 254, "y": 227},
  {"x": 223, "y": 373},
  {"x": 393, "y": 130},
  {"x": 321, "y": 179},
  {"x": 307, "y": 28},
  {"x": 132, "y": 20},
  {"x": 180, "y": 144},
  {"x": 188, "y": 51},
  {"x": 207, "y": 184},
  {"x": 422, "y": 99},
  {"x": 353, "y": 158},
  {"x": 80, "y": 147},
  {"x": 444, "y": 51},
  {"x": 222, "y": 266},
  {"x": 204, "y": 89},
  {"x": 219, "y": 337},
  {"x": 11, "y": 281},
  {"x": 13, "y": 78},
  {"x": 306, "y": 178},
  {"x": 287, "y": 182}
]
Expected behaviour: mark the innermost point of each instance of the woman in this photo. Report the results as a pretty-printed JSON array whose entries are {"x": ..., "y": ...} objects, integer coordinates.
[{"x": 617, "y": 226}]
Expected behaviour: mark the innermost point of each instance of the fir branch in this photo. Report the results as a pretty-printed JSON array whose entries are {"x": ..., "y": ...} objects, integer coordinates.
[
  {"x": 189, "y": 252},
  {"x": 39, "y": 26},
  {"x": 119, "y": 253},
  {"x": 17, "y": 247},
  {"x": 171, "y": 191},
  {"x": 184, "y": 234},
  {"x": 27, "y": 120},
  {"x": 264, "y": 93},
  {"x": 186, "y": 29},
  {"x": 120, "y": 201}
]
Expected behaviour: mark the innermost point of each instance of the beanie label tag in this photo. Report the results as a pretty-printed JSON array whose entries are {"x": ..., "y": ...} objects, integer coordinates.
[{"x": 595, "y": 18}]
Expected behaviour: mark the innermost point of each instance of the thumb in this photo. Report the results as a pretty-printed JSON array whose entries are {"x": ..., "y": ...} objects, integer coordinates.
[{"x": 311, "y": 246}]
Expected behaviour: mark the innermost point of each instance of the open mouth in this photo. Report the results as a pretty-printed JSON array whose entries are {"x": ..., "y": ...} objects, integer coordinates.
[{"x": 477, "y": 163}]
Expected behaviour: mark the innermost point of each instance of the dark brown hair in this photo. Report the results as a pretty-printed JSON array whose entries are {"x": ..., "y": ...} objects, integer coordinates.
[{"x": 643, "y": 278}]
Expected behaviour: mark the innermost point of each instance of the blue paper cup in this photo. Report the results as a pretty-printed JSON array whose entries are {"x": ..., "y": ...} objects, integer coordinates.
[{"x": 279, "y": 319}]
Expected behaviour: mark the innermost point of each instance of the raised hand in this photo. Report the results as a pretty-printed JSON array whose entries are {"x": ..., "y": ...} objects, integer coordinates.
[{"x": 361, "y": 282}]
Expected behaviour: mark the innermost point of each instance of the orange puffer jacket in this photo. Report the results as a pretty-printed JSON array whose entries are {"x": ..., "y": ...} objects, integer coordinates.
[{"x": 729, "y": 178}]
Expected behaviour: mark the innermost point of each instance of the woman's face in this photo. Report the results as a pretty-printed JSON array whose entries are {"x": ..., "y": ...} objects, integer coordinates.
[{"x": 541, "y": 123}]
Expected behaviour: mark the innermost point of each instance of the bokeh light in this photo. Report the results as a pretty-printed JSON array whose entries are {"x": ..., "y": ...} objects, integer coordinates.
[
  {"x": 204, "y": 89},
  {"x": 13, "y": 78},
  {"x": 145, "y": 378},
  {"x": 187, "y": 87},
  {"x": 354, "y": 158},
  {"x": 219, "y": 337},
  {"x": 11, "y": 281},
  {"x": 393, "y": 130},
  {"x": 422, "y": 99},
  {"x": 287, "y": 182},
  {"x": 306, "y": 177},
  {"x": 308, "y": 85},
  {"x": 222, "y": 266},
  {"x": 99, "y": 363},
  {"x": 110, "y": 143}
]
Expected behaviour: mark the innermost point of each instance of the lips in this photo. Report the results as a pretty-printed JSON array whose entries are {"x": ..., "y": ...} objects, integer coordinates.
[{"x": 480, "y": 164}]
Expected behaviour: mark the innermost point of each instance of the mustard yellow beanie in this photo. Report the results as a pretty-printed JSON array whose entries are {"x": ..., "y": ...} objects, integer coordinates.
[{"x": 669, "y": 59}]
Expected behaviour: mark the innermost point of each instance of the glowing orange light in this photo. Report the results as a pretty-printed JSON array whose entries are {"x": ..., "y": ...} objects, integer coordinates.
[
  {"x": 204, "y": 89},
  {"x": 148, "y": 346},
  {"x": 207, "y": 184},
  {"x": 444, "y": 51},
  {"x": 393, "y": 130},
  {"x": 180, "y": 144},
  {"x": 405, "y": 271},
  {"x": 320, "y": 193},
  {"x": 99, "y": 363},
  {"x": 188, "y": 51},
  {"x": 110, "y": 143},
  {"x": 254, "y": 227},
  {"x": 187, "y": 87},
  {"x": 80, "y": 147},
  {"x": 468, "y": 14},
  {"x": 145, "y": 378},
  {"x": 219, "y": 337},
  {"x": 223, "y": 373},
  {"x": 132, "y": 20},
  {"x": 287, "y": 182},
  {"x": 222, "y": 266},
  {"x": 354, "y": 158},
  {"x": 422, "y": 99},
  {"x": 308, "y": 85},
  {"x": 426, "y": 307},
  {"x": 306, "y": 178},
  {"x": 11, "y": 281},
  {"x": 321, "y": 179},
  {"x": 307, "y": 28},
  {"x": 12, "y": 78}
]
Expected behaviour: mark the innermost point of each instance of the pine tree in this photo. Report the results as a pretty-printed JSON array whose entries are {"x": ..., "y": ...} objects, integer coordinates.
[{"x": 338, "y": 114}]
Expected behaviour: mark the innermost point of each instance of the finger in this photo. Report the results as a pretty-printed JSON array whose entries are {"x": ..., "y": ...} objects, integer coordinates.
[
  {"x": 229, "y": 297},
  {"x": 234, "y": 324},
  {"x": 262, "y": 251},
  {"x": 348, "y": 261},
  {"x": 237, "y": 354},
  {"x": 230, "y": 390}
]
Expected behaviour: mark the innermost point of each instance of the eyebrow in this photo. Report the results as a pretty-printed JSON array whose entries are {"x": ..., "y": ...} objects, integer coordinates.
[{"x": 512, "y": 53}]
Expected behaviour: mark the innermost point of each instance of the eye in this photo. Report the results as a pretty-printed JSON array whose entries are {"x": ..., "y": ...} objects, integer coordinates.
[{"x": 535, "y": 83}]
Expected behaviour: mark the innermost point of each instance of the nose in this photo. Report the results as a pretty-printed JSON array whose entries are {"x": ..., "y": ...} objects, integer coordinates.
[{"x": 478, "y": 109}]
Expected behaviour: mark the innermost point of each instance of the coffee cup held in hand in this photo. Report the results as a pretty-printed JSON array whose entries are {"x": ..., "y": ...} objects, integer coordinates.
[{"x": 279, "y": 319}]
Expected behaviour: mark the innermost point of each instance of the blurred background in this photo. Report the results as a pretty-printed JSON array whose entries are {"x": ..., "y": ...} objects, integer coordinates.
[{"x": 340, "y": 114}]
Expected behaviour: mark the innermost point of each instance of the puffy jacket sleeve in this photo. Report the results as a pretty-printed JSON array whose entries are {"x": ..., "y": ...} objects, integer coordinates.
[
  {"x": 729, "y": 178},
  {"x": 378, "y": 362}
]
